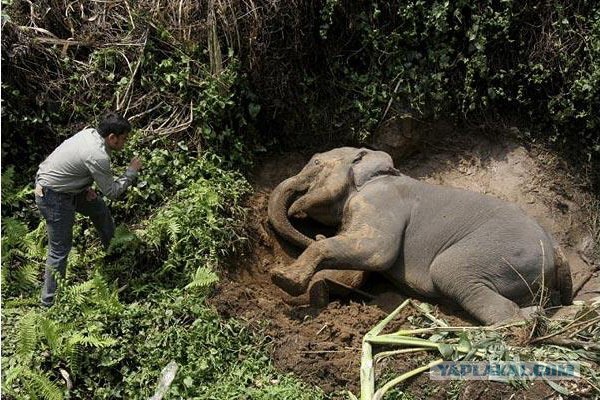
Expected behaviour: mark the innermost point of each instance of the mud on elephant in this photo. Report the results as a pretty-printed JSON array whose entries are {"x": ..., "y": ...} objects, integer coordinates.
[{"x": 483, "y": 253}]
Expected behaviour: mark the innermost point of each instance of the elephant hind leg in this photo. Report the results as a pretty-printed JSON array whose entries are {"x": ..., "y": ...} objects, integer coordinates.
[
  {"x": 487, "y": 305},
  {"x": 474, "y": 296}
]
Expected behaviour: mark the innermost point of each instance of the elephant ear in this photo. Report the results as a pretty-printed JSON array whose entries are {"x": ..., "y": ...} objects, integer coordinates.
[{"x": 369, "y": 164}]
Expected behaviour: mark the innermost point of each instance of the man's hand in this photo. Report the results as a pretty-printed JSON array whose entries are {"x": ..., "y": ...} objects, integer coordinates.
[
  {"x": 135, "y": 164},
  {"x": 90, "y": 194}
]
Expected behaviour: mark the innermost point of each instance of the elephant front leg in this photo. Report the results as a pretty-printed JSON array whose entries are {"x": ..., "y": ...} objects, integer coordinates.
[
  {"x": 363, "y": 250},
  {"x": 294, "y": 278}
]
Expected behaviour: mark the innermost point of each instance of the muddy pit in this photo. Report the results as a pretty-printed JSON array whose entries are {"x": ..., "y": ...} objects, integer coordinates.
[{"x": 324, "y": 347}]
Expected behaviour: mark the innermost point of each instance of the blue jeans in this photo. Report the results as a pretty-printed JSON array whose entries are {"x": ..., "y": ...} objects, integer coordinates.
[{"x": 58, "y": 209}]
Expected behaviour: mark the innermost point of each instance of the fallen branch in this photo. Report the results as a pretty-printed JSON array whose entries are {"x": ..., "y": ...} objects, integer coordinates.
[
  {"x": 563, "y": 341},
  {"x": 585, "y": 280}
]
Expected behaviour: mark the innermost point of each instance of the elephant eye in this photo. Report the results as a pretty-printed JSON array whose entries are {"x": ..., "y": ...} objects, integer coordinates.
[{"x": 317, "y": 162}]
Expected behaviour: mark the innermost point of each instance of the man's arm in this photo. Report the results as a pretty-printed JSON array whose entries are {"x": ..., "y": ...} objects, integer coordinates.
[{"x": 103, "y": 176}]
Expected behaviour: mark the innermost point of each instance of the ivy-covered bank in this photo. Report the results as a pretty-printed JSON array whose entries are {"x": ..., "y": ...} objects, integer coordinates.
[{"x": 529, "y": 65}]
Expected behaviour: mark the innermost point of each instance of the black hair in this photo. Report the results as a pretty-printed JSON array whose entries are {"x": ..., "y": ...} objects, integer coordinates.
[{"x": 113, "y": 123}]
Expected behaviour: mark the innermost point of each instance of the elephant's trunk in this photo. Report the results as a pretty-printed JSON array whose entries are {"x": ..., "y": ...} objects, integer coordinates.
[{"x": 279, "y": 201}]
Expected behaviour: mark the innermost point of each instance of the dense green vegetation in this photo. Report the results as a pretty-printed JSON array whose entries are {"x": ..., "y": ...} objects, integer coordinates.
[
  {"x": 334, "y": 70},
  {"x": 121, "y": 317},
  {"x": 208, "y": 86}
]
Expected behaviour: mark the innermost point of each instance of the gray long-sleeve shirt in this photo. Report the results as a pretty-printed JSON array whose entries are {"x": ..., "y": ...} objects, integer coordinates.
[{"x": 80, "y": 160}]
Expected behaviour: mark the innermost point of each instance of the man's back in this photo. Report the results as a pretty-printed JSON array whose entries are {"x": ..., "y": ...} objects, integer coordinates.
[{"x": 67, "y": 170}]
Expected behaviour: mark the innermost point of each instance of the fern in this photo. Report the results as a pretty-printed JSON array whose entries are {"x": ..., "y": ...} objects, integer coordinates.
[
  {"x": 16, "y": 303},
  {"x": 35, "y": 241},
  {"x": 49, "y": 329},
  {"x": 73, "y": 352},
  {"x": 104, "y": 295},
  {"x": 91, "y": 340},
  {"x": 27, "y": 275},
  {"x": 122, "y": 240},
  {"x": 203, "y": 278},
  {"x": 21, "y": 254},
  {"x": 78, "y": 294},
  {"x": 40, "y": 385},
  {"x": 8, "y": 182},
  {"x": 11, "y": 376},
  {"x": 14, "y": 233},
  {"x": 27, "y": 335},
  {"x": 12, "y": 195}
]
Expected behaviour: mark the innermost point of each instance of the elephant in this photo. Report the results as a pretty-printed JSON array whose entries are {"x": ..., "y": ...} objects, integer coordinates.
[{"x": 482, "y": 253}]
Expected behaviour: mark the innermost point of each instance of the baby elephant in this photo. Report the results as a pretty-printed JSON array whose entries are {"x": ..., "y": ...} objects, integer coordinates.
[{"x": 481, "y": 252}]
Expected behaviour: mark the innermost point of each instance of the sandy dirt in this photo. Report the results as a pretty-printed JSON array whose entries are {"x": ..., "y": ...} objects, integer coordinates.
[{"x": 324, "y": 348}]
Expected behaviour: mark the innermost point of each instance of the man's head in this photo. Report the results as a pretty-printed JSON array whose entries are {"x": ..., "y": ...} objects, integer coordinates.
[{"x": 115, "y": 130}]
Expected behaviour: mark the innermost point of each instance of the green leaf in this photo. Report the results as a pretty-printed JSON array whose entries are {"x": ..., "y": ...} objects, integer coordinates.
[
  {"x": 253, "y": 109},
  {"x": 558, "y": 388},
  {"x": 446, "y": 350}
]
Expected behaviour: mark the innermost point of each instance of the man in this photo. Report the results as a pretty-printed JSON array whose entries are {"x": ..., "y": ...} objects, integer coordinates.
[{"x": 63, "y": 187}]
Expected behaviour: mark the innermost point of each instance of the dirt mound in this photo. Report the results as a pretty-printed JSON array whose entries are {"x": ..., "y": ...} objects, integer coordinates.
[{"x": 324, "y": 347}]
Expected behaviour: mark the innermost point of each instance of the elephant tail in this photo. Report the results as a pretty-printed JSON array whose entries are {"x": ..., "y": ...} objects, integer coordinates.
[{"x": 564, "y": 282}]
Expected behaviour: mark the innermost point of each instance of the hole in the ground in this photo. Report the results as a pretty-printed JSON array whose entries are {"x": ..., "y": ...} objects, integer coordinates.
[{"x": 324, "y": 348}]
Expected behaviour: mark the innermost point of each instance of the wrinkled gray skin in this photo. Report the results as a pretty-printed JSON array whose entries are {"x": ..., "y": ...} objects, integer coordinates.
[{"x": 481, "y": 252}]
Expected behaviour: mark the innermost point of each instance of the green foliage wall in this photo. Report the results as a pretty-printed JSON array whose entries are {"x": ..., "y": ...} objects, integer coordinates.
[
  {"x": 246, "y": 75},
  {"x": 529, "y": 64}
]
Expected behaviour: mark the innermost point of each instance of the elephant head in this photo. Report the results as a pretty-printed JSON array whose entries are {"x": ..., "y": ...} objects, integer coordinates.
[{"x": 321, "y": 189}]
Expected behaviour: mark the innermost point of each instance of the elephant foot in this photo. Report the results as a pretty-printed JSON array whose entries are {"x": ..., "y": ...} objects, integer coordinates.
[
  {"x": 292, "y": 281},
  {"x": 524, "y": 314},
  {"x": 529, "y": 313},
  {"x": 319, "y": 294}
]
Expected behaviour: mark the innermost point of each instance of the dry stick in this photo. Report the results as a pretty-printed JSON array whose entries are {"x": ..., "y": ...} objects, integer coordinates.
[
  {"x": 350, "y": 288},
  {"x": 179, "y": 18},
  {"x": 585, "y": 280},
  {"x": 520, "y": 276},
  {"x": 130, "y": 16},
  {"x": 458, "y": 328},
  {"x": 324, "y": 351},
  {"x": 543, "y": 273},
  {"x": 541, "y": 291},
  {"x": 36, "y": 29},
  {"x": 389, "y": 104},
  {"x": 584, "y": 323},
  {"x": 131, "y": 79},
  {"x": 561, "y": 341},
  {"x": 62, "y": 41},
  {"x": 564, "y": 329},
  {"x": 583, "y": 328}
]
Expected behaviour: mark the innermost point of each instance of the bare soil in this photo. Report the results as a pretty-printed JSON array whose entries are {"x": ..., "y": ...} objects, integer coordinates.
[{"x": 324, "y": 347}]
